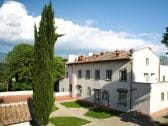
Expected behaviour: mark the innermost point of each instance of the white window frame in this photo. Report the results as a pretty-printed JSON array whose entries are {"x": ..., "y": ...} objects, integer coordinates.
[
  {"x": 79, "y": 74},
  {"x": 121, "y": 72},
  {"x": 122, "y": 98},
  {"x": 109, "y": 74},
  {"x": 97, "y": 74},
  {"x": 162, "y": 96},
  {"x": 89, "y": 91},
  {"x": 147, "y": 61},
  {"x": 87, "y": 74}
]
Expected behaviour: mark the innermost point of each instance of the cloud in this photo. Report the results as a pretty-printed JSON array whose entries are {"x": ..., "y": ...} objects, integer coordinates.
[{"x": 16, "y": 26}]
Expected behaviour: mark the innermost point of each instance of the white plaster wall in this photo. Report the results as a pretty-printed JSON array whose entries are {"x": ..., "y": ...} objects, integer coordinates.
[
  {"x": 65, "y": 82},
  {"x": 163, "y": 72},
  {"x": 141, "y": 97},
  {"x": 155, "y": 97},
  {"x": 64, "y": 85},
  {"x": 140, "y": 67},
  {"x": 110, "y": 86}
]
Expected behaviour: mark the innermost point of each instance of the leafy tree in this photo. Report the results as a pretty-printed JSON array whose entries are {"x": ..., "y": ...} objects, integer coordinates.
[
  {"x": 4, "y": 77},
  {"x": 20, "y": 62},
  {"x": 165, "y": 38},
  {"x": 58, "y": 68},
  {"x": 45, "y": 38}
]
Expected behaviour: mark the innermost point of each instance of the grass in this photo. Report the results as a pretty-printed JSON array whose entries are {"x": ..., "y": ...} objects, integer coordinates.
[
  {"x": 68, "y": 121},
  {"x": 93, "y": 112},
  {"x": 76, "y": 104},
  {"x": 54, "y": 108},
  {"x": 101, "y": 113}
]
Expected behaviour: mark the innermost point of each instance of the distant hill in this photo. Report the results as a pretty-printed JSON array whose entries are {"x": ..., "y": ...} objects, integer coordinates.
[
  {"x": 2, "y": 57},
  {"x": 163, "y": 60}
]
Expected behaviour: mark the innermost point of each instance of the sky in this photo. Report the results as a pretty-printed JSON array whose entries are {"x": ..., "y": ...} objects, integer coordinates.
[{"x": 88, "y": 25}]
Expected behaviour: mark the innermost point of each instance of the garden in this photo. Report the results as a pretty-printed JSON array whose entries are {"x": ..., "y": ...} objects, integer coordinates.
[{"x": 95, "y": 112}]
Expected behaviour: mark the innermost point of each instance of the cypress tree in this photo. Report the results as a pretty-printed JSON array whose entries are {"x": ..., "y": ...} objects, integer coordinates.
[
  {"x": 165, "y": 38},
  {"x": 45, "y": 38}
]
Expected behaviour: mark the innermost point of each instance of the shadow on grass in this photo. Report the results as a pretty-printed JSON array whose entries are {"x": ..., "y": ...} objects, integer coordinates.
[
  {"x": 76, "y": 104},
  {"x": 140, "y": 119},
  {"x": 84, "y": 104},
  {"x": 99, "y": 112}
]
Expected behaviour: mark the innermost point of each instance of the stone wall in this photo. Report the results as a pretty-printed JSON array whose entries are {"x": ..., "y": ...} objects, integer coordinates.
[{"x": 14, "y": 113}]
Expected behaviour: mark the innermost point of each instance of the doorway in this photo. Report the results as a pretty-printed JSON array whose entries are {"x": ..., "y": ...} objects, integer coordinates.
[{"x": 97, "y": 96}]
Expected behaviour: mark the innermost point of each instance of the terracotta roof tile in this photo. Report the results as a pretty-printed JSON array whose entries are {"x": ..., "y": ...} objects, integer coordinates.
[{"x": 103, "y": 56}]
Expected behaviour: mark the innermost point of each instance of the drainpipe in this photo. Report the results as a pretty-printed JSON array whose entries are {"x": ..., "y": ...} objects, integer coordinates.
[
  {"x": 159, "y": 79},
  {"x": 131, "y": 63}
]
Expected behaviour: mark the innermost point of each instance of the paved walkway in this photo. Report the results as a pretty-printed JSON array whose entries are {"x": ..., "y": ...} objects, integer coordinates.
[{"x": 79, "y": 112}]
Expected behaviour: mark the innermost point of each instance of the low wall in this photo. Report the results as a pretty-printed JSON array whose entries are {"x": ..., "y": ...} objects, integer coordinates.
[
  {"x": 156, "y": 104},
  {"x": 11, "y": 93},
  {"x": 15, "y": 93}
]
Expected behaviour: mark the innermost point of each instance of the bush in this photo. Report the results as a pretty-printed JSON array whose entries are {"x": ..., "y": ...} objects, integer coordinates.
[
  {"x": 3, "y": 87},
  {"x": 21, "y": 86}
]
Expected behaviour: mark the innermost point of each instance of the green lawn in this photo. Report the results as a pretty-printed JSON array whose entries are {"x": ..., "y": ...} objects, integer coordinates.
[
  {"x": 93, "y": 112},
  {"x": 76, "y": 104},
  {"x": 68, "y": 121},
  {"x": 101, "y": 113},
  {"x": 54, "y": 108}
]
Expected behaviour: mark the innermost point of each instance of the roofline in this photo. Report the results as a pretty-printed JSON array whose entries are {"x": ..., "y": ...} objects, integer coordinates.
[
  {"x": 146, "y": 48},
  {"x": 95, "y": 61}
]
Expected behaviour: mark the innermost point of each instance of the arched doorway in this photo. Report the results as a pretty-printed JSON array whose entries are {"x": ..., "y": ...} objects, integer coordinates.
[
  {"x": 105, "y": 98},
  {"x": 79, "y": 90}
]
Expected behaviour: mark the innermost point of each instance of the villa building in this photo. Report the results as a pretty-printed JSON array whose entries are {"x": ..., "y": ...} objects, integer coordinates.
[{"x": 123, "y": 80}]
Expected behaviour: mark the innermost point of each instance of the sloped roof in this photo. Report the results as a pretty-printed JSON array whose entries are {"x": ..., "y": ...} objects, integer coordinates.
[{"x": 104, "y": 56}]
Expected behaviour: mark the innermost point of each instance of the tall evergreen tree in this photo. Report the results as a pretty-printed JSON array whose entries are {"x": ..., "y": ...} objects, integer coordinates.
[
  {"x": 165, "y": 38},
  {"x": 45, "y": 38}
]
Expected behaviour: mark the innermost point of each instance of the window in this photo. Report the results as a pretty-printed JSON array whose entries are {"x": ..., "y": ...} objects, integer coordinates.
[
  {"x": 147, "y": 61},
  {"x": 122, "y": 98},
  {"x": 66, "y": 74},
  {"x": 108, "y": 74},
  {"x": 146, "y": 75},
  {"x": 163, "y": 78},
  {"x": 105, "y": 95},
  {"x": 79, "y": 74},
  {"x": 152, "y": 74},
  {"x": 105, "y": 98},
  {"x": 87, "y": 74},
  {"x": 123, "y": 75},
  {"x": 97, "y": 74},
  {"x": 89, "y": 92},
  {"x": 162, "y": 96}
]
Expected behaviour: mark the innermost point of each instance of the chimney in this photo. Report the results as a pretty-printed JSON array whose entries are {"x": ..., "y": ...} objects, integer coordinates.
[
  {"x": 101, "y": 53},
  {"x": 81, "y": 58},
  {"x": 117, "y": 53},
  {"x": 131, "y": 51},
  {"x": 95, "y": 55}
]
